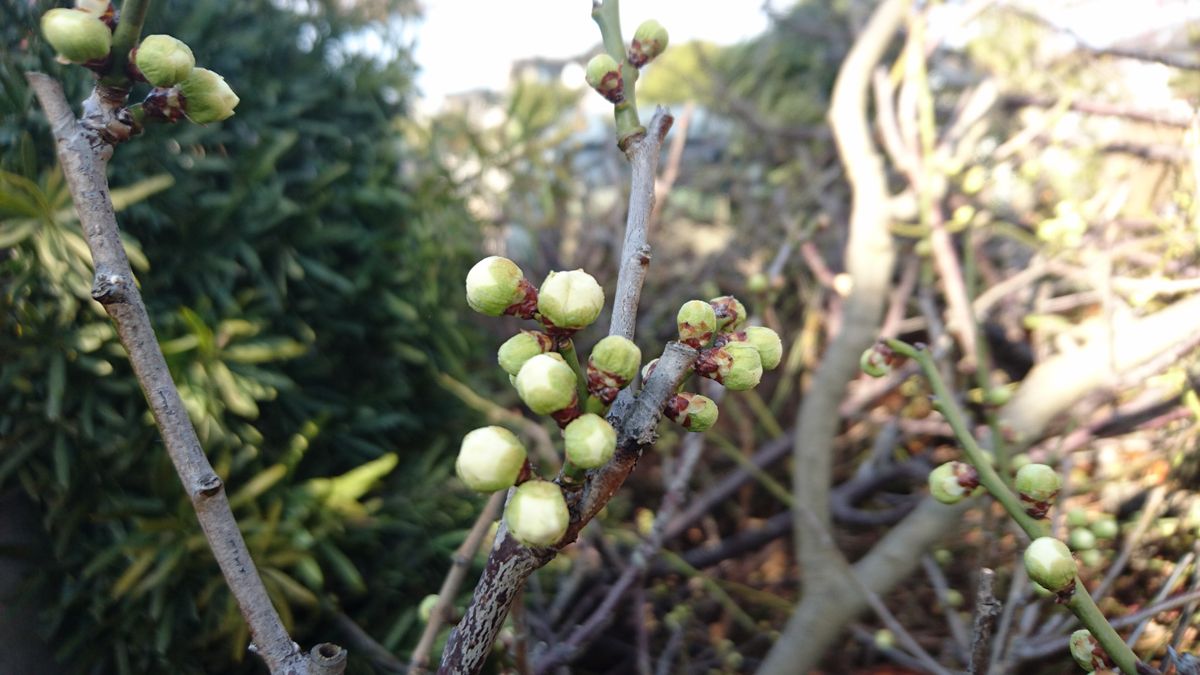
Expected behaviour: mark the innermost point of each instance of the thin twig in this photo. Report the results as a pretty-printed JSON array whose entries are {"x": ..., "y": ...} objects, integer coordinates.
[
  {"x": 460, "y": 563},
  {"x": 83, "y": 156},
  {"x": 986, "y": 611}
]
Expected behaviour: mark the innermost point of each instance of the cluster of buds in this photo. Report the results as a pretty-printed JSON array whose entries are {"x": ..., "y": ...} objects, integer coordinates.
[
  {"x": 728, "y": 354},
  {"x": 84, "y": 35},
  {"x": 1037, "y": 487},
  {"x": 951, "y": 482},
  {"x": 603, "y": 72}
]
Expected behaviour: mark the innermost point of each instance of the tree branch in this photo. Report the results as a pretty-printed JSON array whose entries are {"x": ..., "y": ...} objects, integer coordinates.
[{"x": 83, "y": 153}]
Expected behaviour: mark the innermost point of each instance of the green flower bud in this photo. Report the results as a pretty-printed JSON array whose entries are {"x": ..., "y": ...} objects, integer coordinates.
[
  {"x": 613, "y": 364},
  {"x": 569, "y": 301},
  {"x": 425, "y": 609},
  {"x": 1037, "y": 486},
  {"x": 1091, "y": 557},
  {"x": 537, "y": 513},
  {"x": 877, "y": 360},
  {"x": 697, "y": 322},
  {"x": 649, "y": 40},
  {"x": 604, "y": 75},
  {"x": 951, "y": 482},
  {"x": 1040, "y": 590},
  {"x": 206, "y": 97},
  {"x": 758, "y": 283},
  {"x": 768, "y": 344},
  {"x": 1048, "y": 562},
  {"x": 1106, "y": 528},
  {"x": 163, "y": 60},
  {"x": 954, "y": 598},
  {"x": 490, "y": 459},
  {"x": 885, "y": 639},
  {"x": 731, "y": 313},
  {"x": 76, "y": 35},
  {"x": 1019, "y": 460},
  {"x": 1087, "y": 652},
  {"x": 546, "y": 384},
  {"x": 1077, "y": 517},
  {"x": 520, "y": 348},
  {"x": 1081, "y": 539},
  {"x": 692, "y": 411},
  {"x": 736, "y": 365},
  {"x": 96, "y": 8},
  {"x": 590, "y": 441},
  {"x": 494, "y": 285}
]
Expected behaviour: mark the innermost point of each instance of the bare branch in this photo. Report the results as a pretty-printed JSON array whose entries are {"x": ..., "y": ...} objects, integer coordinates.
[
  {"x": 83, "y": 154},
  {"x": 987, "y": 608}
]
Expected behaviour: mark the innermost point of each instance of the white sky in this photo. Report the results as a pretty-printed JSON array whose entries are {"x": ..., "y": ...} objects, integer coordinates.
[{"x": 469, "y": 44}]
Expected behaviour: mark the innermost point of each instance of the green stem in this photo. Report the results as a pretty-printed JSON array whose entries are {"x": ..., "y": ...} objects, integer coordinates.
[
  {"x": 1083, "y": 607},
  {"x": 567, "y": 350},
  {"x": 607, "y": 15},
  {"x": 129, "y": 31},
  {"x": 1080, "y": 603}
]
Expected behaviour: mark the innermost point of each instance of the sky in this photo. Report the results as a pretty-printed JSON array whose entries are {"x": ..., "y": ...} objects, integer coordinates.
[{"x": 470, "y": 44}]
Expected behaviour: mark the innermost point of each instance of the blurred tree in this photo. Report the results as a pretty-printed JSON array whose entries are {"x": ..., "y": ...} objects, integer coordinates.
[{"x": 302, "y": 270}]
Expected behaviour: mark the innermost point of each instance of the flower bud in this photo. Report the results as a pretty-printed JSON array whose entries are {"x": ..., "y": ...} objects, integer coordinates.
[
  {"x": 767, "y": 342},
  {"x": 1037, "y": 486},
  {"x": 697, "y": 322},
  {"x": 692, "y": 411},
  {"x": 490, "y": 459},
  {"x": 731, "y": 313},
  {"x": 590, "y": 441},
  {"x": 758, "y": 283},
  {"x": 612, "y": 365},
  {"x": 537, "y": 514},
  {"x": 1048, "y": 562},
  {"x": 649, "y": 40},
  {"x": 425, "y": 609},
  {"x": 1106, "y": 527},
  {"x": 952, "y": 481},
  {"x": 76, "y": 35},
  {"x": 1087, "y": 652},
  {"x": 520, "y": 348},
  {"x": 163, "y": 60},
  {"x": 1081, "y": 539},
  {"x": 604, "y": 75},
  {"x": 648, "y": 370},
  {"x": 736, "y": 365},
  {"x": 494, "y": 285},
  {"x": 546, "y": 384},
  {"x": 206, "y": 97},
  {"x": 569, "y": 301},
  {"x": 877, "y": 360}
]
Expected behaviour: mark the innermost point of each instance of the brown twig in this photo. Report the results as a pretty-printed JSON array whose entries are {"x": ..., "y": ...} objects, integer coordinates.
[
  {"x": 987, "y": 608},
  {"x": 83, "y": 154},
  {"x": 460, "y": 563}
]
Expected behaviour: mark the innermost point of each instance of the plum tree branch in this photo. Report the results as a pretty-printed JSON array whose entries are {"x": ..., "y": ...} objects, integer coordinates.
[{"x": 83, "y": 153}]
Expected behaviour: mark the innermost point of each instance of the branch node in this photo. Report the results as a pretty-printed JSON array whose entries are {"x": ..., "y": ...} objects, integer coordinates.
[
  {"x": 110, "y": 289},
  {"x": 209, "y": 485}
]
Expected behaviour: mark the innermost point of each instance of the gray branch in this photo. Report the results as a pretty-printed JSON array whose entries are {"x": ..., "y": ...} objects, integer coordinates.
[{"x": 83, "y": 154}]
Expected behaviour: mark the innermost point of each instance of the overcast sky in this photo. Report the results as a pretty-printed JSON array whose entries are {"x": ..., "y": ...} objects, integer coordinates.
[{"x": 468, "y": 44}]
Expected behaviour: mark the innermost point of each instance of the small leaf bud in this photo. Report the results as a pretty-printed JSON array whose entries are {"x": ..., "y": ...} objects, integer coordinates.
[
  {"x": 425, "y": 609},
  {"x": 568, "y": 301},
  {"x": 731, "y": 313},
  {"x": 758, "y": 283},
  {"x": 1037, "y": 486},
  {"x": 1048, "y": 562},
  {"x": 697, "y": 323},
  {"x": 546, "y": 384},
  {"x": 604, "y": 75},
  {"x": 490, "y": 459},
  {"x": 951, "y": 482},
  {"x": 736, "y": 365},
  {"x": 207, "y": 97},
  {"x": 590, "y": 441},
  {"x": 612, "y": 365},
  {"x": 163, "y": 60},
  {"x": 648, "y": 369},
  {"x": 649, "y": 40},
  {"x": 1087, "y": 652},
  {"x": 692, "y": 411},
  {"x": 76, "y": 35},
  {"x": 520, "y": 348},
  {"x": 877, "y": 360},
  {"x": 537, "y": 514},
  {"x": 494, "y": 285}
]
